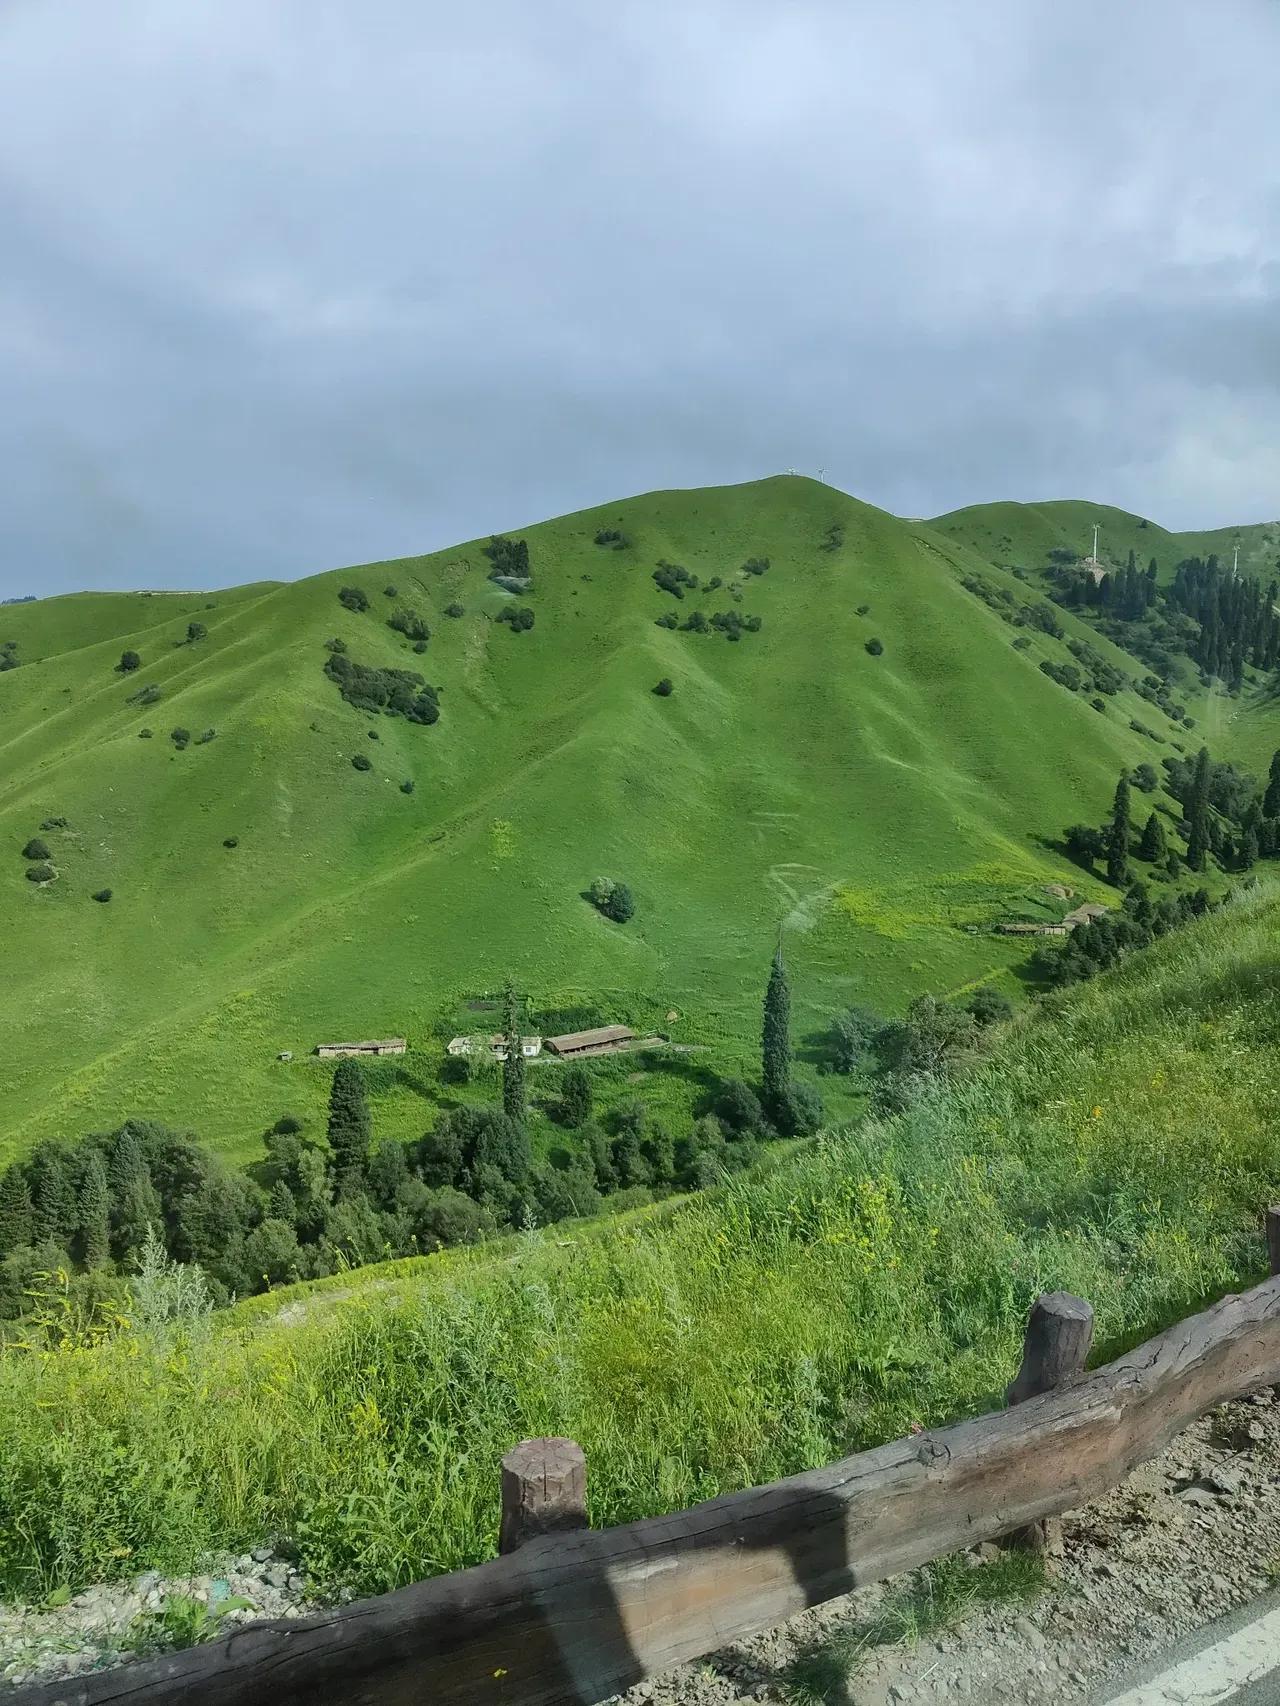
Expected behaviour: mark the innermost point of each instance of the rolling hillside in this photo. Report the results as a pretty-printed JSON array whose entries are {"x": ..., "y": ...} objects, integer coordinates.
[{"x": 875, "y": 805}]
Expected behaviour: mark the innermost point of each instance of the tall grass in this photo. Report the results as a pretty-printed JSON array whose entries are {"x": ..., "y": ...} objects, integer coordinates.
[{"x": 1121, "y": 1147}]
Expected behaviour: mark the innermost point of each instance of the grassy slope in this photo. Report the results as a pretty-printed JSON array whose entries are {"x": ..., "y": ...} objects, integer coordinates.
[
  {"x": 1120, "y": 1145},
  {"x": 875, "y": 804}
]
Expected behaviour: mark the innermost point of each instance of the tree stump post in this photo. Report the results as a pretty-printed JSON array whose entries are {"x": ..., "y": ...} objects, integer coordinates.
[
  {"x": 544, "y": 1491},
  {"x": 1273, "y": 1239},
  {"x": 1054, "y": 1352}
]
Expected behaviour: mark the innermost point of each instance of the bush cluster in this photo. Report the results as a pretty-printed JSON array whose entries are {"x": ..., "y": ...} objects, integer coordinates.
[{"x": 394, "y": 692}]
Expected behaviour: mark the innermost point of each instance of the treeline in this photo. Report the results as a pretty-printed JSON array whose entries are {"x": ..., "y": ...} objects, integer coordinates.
[
  {"x": 315, "y": 1206},
  {"x": 1226, "y": 817},
  {"x": 1222, "y": 620}
]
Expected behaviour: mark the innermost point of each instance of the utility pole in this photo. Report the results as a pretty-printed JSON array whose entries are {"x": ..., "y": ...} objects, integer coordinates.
[{"x": 1095, "y": 541}]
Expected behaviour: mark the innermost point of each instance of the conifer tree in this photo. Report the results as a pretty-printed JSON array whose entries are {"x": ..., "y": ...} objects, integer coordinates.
[
  {"x": 93, "y": 1208},
  {"x": 1199, "y": 837},
  {"x": 513, "y": 1086},
  {"x": 350, "y": 1129},
  {"x": 1152, "y": 846},
  {"x": 53, "y": 1196},
  {"x": 1271, "y": 799},
  {"x": 1118, "y": 837},
  {"x": 15, "y": 1210},
  {"x": 776, "y": 1037}
]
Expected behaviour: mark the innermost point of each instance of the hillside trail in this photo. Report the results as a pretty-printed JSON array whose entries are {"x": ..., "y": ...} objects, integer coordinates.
[{"x": 1186, "y": 1539}]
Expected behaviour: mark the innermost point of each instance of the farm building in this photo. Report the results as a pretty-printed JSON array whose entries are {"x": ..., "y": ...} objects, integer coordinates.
[
  {"x": 1085, "y": 914},
  {"x": 1025, "y": 927},
  {"x": 530, "y": 1047},
  {"x": 334, "y": 1051},
  {"x": 605, "y": 1039}
]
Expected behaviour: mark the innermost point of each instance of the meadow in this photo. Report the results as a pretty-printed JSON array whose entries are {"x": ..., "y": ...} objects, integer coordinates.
[
  {"x": 266, "y": 895},
  {"x": 1120, "y": 1145}
]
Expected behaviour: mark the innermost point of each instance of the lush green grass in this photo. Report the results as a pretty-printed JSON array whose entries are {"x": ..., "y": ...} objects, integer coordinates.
[
  {"x": 1121, "y": 1146},
  {"x": 886, "y": 809}
]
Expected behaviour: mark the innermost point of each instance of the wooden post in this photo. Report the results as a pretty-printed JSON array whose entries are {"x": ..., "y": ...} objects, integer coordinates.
[
  {"x": 1273, "y": 1238},
  {"x": 544, "y": 1491},
  {"x": 1055, "y": 1349}
]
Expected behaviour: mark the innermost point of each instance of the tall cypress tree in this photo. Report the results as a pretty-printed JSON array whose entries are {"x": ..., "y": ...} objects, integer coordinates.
[
  {"x": 93, "y": 1207},
  {"x": 514, "y": 1103},
  {"x": 1198, "y": 838},
  {"x": 1118, "y": 837},
  {"x": 1152, "y": 846},
  {"x": 1271, "y": 799},
  {"x": 776, "y": 1037},
  {"x": 15, "y": 1210},
  {"x": 350, "y": 1130}
]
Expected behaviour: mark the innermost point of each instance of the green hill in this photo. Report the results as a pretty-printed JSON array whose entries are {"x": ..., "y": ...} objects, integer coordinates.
[
  {"x": 1119, "y": 1144},
  {"x": 877, "y": 805}
]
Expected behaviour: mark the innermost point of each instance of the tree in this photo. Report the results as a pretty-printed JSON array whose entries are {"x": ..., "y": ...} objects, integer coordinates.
[
  {"x": 129, "y": 661},
  {"x": 1146, "y": 778},
  {"x": 514, "y": 1100},
  {"x": 620, "y": 905},
  {"x": 271, "y": 1252},
  {"x": 53, "y": 1195},
  {"x": 15, "y": 1210},
  {"x": 738, "y": 1108},
  {"x": 1198, "y": 838},
  {"x": 1271, "y": 799},
  {"x": 1084, "y": 843},
  {"x": 990, "y": 1006},
  {"x": 576, "y": 1095},
  {"x": 1118, "y": 837},
  {"x": 36, "y": 849},
  {"x": 195, "y": 631},
  {"x": 93, "y": 1209},
  {"x": 775, "y": 1040},
  {"x": 350, "y": 1129},
  {"x": 1152, "y": 846},
  {"x": 850, "y": 1038}
]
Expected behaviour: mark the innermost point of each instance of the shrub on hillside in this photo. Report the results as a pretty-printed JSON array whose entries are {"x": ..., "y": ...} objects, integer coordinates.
[
  {"x": 55, "y": 823},
  {"x": 799, "y": 1114},
  {"x": 990, "y": 1006},
  {"x": 352, "y": 598},
  {"x": 613, "y": 538},
  {"x": 664, "y": 688},
  {"x": 41, "y": 874},
  {"x": 674, "y": 578},
  {"x": 668, "y": 619},
  {"x": 738, "y": 1108},
  {"x": 875, "y": 647},
  {"x": 36, "y": 850},
  {"x": 864, "y": 610},
  {"x": 395, "y": 692},
  {"x": 196, "y": 631},
  {"x": 180, "y": 737},
  {"x": 391, "y": 592},
  {"x": 455, "y": 609},
  {"x": 129, "y": 661},
  {"x": 755, "y": 566},
  {"x": 509, "y": 559},
  {"x": 360, "y": 762},
  {"x": 148, "y": 695},
  {"x": 231, "y": 841},
  {"x": 104, "y": 895},
  {"x": 612, "y": 898},
  {"x": 406, "y": 787},
  {"x": 207, "y": 736},
  {"x": 519, "y": 618},
  {"x": 408, "y": 622},
  {"x": 833, "y": 538},
  {"x": 145, "y": 734},
  {"x": 335, "y": 645}
]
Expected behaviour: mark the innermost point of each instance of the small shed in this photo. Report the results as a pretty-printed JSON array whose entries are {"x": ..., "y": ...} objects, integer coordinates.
[
  {"x": 285, "y": 1054},
  {"x": 1085, "y": 914},
  {"x": 337, "y": 1051},
  {"x": 605, "y": 1039}
]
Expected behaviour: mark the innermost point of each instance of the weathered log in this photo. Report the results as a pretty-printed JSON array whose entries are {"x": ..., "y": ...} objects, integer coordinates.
[
  {"x": 572, "y": 1618},
  {"x": 544, "y": 1491},
  {"x": 1055, "y": 1349},
  {"x": 1273, "y": 1239}
]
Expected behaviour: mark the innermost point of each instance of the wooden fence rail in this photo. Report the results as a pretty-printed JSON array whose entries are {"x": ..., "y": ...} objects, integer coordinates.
[{"x": 567, "y": 1615}]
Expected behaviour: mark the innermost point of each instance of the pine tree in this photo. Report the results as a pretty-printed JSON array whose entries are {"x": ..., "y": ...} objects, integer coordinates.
[
  {"x": 1118, "y": 837},
  {"x": 350, "y": 1130},
  {"x": 53, "y": 1196},
  {"x": 1152, "y": 846},
  {"x": 513, "y": 1087},
  {"x": 1247, "y": 852},
  {"x": 1198, "y": 839},
  {"x": 15, "y": 1211},
  {"x": 93, "y": 1209},
  {"x": 776, "y": 1037},
  {"x": 282, "y": 1204},
  {"x": 1271, "y": 799}
]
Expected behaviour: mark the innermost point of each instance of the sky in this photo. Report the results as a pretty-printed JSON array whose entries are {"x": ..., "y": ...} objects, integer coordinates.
[{"x": 291, "y": 284}]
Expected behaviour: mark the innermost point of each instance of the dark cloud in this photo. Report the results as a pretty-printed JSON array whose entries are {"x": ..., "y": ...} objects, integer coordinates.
[{"x": 297, "y": 285}]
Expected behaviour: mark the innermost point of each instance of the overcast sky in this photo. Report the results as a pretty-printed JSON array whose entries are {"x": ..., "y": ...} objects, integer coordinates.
[{"x": 286, "y": 284}]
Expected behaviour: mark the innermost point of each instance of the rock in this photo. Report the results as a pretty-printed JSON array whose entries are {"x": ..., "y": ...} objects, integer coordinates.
[
  {"x": 1224, "y": 1481},
  {"x": 276, "y": 1575},
  {"x": 1199, "y": 1498},
  {"x": 261, "y": 1554},
  {"x": 988, "y": 1552}
]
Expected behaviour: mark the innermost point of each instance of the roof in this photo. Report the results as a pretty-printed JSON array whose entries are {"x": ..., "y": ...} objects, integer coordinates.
[
  {"x": 592, "y": 1039},
  {"x": 384, "y": 1042},
  {"x": 1086, "y": 914}
]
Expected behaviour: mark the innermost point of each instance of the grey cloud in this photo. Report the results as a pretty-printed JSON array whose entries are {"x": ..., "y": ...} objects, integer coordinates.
[{"x": 291, "y": 286}]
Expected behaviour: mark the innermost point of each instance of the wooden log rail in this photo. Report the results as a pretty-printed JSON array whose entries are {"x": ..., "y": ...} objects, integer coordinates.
[{"x": 567, "y": 1615}]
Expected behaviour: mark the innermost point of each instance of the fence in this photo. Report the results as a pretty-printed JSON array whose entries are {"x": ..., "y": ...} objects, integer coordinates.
[{"x": 566, "y": 1615}]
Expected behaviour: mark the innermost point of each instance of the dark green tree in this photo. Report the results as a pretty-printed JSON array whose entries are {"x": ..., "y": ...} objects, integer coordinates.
[
  {"x": 1118, "y": 836},
  {"x": 1271, "y": 799},
  {"x": 576, "y": 1095},
  {"x": 350, "y": 1129},
  {"x": 93, "y": 1209},
  {"x": 15, "y": 1210},
  {"x": 1200, "y": 833},
  {"x": 1151, "y": 847},
  {"x": 775, "y": 1041},
  {"x": 53, "y": 1195},
  {"x": 129, "y": 661},
  {"x": 514, "y": 1099}
]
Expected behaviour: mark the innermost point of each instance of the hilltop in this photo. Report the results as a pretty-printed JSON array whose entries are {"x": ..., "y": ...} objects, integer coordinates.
[{"x": 884, "y": 805}]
